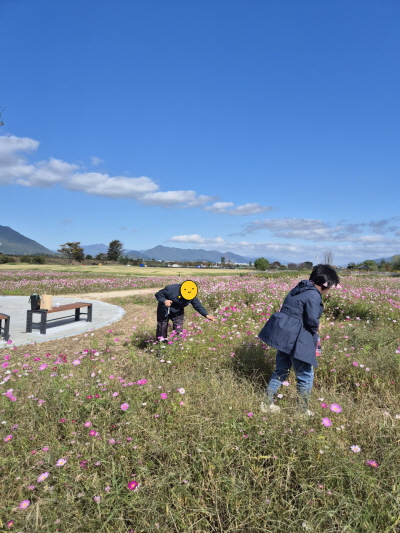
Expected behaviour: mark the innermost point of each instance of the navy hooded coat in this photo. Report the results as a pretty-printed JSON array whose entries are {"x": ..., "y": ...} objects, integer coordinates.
[{"x": 294, "y": 329}]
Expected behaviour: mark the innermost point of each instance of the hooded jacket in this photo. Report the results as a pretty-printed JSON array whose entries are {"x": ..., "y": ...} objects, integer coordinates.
[
  {"x": 294, "y": 329},
  {"x": 172, "y": 292}
]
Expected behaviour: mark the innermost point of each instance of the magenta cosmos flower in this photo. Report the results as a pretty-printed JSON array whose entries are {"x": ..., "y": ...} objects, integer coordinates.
[
  {"x": 124, "y": 406},
  {"x": 335, "y": 407},
  {"x": 24, "y": 504},
  {"x": 43, "y": 476},
  {"x": 61, "y": 462},
  {"x": 374, "y": 464},
  {"x": 133, "y": 485},
  {"x": 326, "y": 422},
  {"x": 163, "y": 395}
]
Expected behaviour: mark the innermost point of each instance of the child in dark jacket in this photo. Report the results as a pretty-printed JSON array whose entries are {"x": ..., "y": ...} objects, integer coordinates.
[{"x": 293, "y": 331}]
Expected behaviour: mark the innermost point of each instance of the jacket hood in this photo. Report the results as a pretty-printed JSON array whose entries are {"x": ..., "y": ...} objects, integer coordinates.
[{"x": 304, "y": 285}]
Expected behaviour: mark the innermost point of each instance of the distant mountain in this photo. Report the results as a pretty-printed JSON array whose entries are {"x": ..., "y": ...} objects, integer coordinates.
[
  {"x": 165, "y": 253},
  {"x": 136, "y": 254},
  {"x": 94, "y": 249},
  {"x": 12, "y": 242}
]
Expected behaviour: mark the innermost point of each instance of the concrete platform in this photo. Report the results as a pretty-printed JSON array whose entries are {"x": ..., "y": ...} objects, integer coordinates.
[{"x": 17, "y": 306}]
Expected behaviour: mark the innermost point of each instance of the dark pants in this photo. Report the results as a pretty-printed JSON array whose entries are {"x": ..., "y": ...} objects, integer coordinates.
[{"x": 162, "y": 323}]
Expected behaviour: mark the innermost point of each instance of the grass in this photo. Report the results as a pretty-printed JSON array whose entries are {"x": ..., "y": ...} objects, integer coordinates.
[
  {"x": 205, "y": 458},
  {"x": 123, "y": 270}
]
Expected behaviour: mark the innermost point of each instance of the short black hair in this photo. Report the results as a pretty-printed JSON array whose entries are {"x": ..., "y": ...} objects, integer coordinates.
[{"x": 324, "y": 276}]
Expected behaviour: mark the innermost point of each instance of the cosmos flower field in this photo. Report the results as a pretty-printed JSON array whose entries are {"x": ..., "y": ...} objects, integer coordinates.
[{"x": 112, "y": 431}]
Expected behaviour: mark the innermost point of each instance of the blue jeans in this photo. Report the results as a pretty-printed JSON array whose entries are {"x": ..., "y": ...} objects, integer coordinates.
[{"x": 304, "y": 376}]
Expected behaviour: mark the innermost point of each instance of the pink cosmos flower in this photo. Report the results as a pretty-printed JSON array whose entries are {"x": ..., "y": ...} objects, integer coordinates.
[
  {"x": 76, "y": 362},
  {"x": 87, "y": 424},
  {"x": 355, "y": 363},
  {"x": 250, "y": 414},
  {"x": 45, "y": 449},
  {"x": 96, "y": 499},
  {"x": 163, "y": 395},
  {"x": 324, "y": 405},
  {"x": 335, "y": 407},
  {"x": 133, "y": 485},
  {"x": 9, "y": 437},
  {"x": 181, "y": 391},
  {"x": 326, "y": 422},
  {"x": 42, "y": 367},
  {"x": 355, "y": 449},
  {"x": 93, "y": 433},
  {"x": 24, "y": 504},
  {"x": 374, "y": 464},
  {"x": 124, "y": 406},
  {"x": 61, "y": 462},
  {"x": 42, "y": 477},
  {"x": 111, "y": 441}
]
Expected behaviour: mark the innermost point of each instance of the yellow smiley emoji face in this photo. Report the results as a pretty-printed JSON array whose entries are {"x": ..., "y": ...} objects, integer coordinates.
[{"x": 189, "y": 290}]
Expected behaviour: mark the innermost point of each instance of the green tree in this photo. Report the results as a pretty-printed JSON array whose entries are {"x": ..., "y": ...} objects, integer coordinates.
[
  {"x": 72, "y": 251},
  {"x": 395, "y": 262},
  {"x": 371, "y": 264},
  {"x": 261, "y": 263},
  {"x": 114, "y": 250},
  {"x": 222, "y": 260}
]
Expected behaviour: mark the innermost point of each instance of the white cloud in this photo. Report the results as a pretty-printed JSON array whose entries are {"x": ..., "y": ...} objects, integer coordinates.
[
  {"x": 96, "y": 161},
  {"x": 223, "y": 208},
  {"x": 319, "y": 231},
  {"x": 290, "y": 251},
  {"x": 197, "y": 239},
  {"x": 15, "y": 169}
]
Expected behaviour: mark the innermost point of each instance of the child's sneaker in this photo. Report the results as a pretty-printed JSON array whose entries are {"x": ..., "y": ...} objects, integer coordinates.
[{"x": 272, "y": 408}]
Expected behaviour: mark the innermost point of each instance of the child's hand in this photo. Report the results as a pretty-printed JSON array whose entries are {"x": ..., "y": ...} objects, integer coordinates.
[
  {"x": 168, "y": 303},
  {"x": 210, "y": 317}
]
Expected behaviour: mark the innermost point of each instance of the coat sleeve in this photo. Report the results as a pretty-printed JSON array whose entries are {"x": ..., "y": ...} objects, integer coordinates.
[
  {"x": 198, "y": 306},
  {"x": 312, "y": 313},
  {"x": 162, "y": 295}
]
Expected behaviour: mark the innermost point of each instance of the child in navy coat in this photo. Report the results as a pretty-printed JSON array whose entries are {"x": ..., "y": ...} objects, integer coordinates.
[{"x": 293, "y": 331}]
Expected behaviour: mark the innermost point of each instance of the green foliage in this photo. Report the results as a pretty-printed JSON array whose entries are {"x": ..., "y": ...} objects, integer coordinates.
[
  {"x": 4, "y": 259},
  {"x": 114, "y": 250},
  {"x": 38, "y": 260},
  {"x": 261, "y": 263},
  {"x": 395, "y": 262},
  {"x": 72, "y": 251}
]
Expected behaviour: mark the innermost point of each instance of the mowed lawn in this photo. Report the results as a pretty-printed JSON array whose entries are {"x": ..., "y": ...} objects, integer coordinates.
[
  {"x": 123, "y": 270},
  {"x": 110, "y": 431}
]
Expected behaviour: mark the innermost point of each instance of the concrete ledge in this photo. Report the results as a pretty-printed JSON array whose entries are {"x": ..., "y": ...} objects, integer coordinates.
[{"x": 17, "y": 306}]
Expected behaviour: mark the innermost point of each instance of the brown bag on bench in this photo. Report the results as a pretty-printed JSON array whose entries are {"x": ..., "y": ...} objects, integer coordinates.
[{"x": 46, "y": 302}]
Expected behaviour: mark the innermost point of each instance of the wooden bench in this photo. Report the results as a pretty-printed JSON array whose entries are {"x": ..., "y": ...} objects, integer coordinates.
[
  {"x": 44, "y": 312},
  {"x": 6, "y": 328}
]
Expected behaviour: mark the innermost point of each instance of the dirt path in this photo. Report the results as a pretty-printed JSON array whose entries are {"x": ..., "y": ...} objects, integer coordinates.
[{"x": 109, "y": 294}]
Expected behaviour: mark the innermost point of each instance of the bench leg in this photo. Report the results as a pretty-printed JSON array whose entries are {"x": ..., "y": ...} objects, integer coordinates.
[
  {"x": 29, "y": 321},
  {"x": 77, "y": 314},
  {"x": 43, "y": 323},
  {"x": 89, "y": 313},
  {"x": 7, "y": 328}
]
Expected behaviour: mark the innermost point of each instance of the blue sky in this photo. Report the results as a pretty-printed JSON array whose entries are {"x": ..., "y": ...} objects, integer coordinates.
[{"x": 263, "y": 127}]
